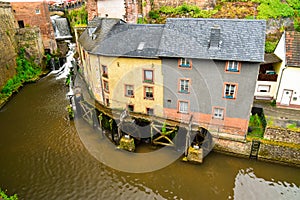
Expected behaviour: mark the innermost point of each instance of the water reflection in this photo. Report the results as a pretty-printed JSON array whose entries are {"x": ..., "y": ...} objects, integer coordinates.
[{"x": 249, "y": 186}]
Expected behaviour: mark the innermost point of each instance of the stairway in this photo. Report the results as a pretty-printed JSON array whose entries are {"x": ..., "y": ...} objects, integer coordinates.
[{"x": 254, "y": 149}]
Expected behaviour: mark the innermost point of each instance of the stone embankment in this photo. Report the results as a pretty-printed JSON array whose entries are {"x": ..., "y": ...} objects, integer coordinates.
[{"x": 279, "y": 145}]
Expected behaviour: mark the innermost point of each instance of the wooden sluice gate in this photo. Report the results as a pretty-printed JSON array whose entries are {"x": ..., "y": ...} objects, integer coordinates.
[{"x": 127, "y": 129}]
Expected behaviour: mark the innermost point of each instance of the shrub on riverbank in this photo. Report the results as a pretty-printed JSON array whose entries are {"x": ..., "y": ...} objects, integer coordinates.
[
  {"x": 27, "y": 71},
  {"x": 4, "y": 196}
]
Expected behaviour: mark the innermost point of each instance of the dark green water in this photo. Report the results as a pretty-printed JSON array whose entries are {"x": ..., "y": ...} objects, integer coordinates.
[{"x": 43, "y": 157}]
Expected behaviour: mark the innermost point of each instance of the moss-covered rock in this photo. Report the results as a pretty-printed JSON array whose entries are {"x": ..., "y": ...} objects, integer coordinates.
[{"x": 127, "y": 144}]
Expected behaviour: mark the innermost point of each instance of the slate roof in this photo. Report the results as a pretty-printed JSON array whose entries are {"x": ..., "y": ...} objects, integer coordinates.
[
  {"x": 271, "y": 58},
  {"x": 99, "y": 27},
  {"x": 292, "y": 40},
  {"x": 124, "y": 40},
  {"x": 241, "y": 40}
]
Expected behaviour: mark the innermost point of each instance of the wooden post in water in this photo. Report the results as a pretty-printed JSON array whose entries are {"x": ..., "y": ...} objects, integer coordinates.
[{"x": 188, "y": 136}]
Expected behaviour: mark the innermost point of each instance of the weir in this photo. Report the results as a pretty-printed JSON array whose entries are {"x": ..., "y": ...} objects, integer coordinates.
[{"x": 61, "y": 27}]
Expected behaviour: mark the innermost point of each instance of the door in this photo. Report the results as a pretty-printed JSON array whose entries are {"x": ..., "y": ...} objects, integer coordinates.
[{"x": 286, "y": 97}]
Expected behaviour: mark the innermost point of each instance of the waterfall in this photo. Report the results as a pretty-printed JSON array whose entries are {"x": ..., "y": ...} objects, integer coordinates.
[
  {"x": 64, "y": 70},
  {"x": 61, "y": 27}
]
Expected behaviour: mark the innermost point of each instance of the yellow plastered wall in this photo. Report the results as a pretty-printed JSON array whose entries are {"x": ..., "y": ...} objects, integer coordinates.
[{"x": 123, "y": 71}]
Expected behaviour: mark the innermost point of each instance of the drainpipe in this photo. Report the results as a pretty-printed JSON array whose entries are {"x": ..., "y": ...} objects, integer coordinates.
[{"x": 280, "y": 82}]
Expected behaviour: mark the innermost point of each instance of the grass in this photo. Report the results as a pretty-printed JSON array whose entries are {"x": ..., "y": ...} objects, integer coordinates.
[{"x": 4, "y": 196}]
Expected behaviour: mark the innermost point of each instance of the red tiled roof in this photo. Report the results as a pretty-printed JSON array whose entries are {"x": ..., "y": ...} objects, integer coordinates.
[{"x": 292, "y": 40}]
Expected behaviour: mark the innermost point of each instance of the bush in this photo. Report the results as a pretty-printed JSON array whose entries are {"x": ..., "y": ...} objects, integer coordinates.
[
  {"x": 273, "y": 9},
  {"x": 270, "y": 46},
  {"x": 6, "y": 197}
]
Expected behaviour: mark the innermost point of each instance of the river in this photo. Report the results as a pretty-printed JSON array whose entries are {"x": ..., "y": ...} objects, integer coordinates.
[{"x": 43, "y": 157}]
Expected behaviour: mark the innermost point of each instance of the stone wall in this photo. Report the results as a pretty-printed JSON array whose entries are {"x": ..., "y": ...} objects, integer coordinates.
[
  {"x": 205, "y": 4},
  {"x": 31, "y": 40},
  {"x": 282, "y": 135},
  {"x": 36, "y": 14},
  {"x": 270, "y": 151},
  {"x": 92, "y": 9},
  {"x": 7, "y": 43},
  {"x": 137, "y": 8},
  {"x": 282, "y": 154}
]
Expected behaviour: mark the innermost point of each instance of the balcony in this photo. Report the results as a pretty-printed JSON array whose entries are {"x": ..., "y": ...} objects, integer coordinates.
[{"x": 267, "y": 77}]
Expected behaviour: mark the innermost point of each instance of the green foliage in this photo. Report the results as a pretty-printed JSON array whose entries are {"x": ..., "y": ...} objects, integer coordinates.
[
  {"x": 297, "y": 23},
  {"x": 70, "y": 112},
  {"x": 153, "y": 14},
  {"x": 27, "y": 71},
  {"x": 294, "y": 3},
  {"x": 270, "y": 46},
  {"x": 4, "y": 196},
  {"x": 180, "y": 11},
  {"x": 257, "y": 126},
  {"x": 164, "y": 129},
  {"x": 77, "y": 16},
  {"x": 273, "y": 103},
  {"x": 273, "y": 9}
]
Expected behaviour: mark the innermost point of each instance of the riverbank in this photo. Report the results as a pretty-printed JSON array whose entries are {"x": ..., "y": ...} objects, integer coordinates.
[{"x": 280, "y": 142}]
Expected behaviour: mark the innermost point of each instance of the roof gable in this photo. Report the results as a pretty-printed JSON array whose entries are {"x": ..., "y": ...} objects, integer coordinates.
[
  {"x": 292, "y": 41},
  {"x": 241, "y": 40}
]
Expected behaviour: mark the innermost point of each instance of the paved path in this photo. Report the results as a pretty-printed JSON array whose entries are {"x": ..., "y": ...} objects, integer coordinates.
[{"x": 281, "y": 116}]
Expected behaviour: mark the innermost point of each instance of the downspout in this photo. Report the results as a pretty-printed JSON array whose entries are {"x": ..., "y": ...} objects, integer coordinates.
[{"x": 280, "y": 82}]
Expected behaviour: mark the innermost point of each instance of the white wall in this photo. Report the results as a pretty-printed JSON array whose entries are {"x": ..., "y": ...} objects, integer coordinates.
[
  {"x": 290, "y": 80},
  {"x": 114, "y": 8}
]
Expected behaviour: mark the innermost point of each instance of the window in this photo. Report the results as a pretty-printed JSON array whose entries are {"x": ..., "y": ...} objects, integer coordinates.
[
  {"x": 37, "y": 11},
  {"x": 230, "y": 91},
  {"x": 104, "y": 71},
  {"x": 218, "y": 113},
  {"x": 148, "y": 93},
  {"x": 107, "y": 102},
  {"x": 233, "y": 66},
  {"x": 186, "y": 63},
  {"x": 183, "y": 106},
  {"x": 184, "y": 86},
  {"x": 129, "y": 91},
  {"x": 149, "y": 111},
  {"x": 148, "y": 76},
  {"x": 21, "y": 24},
  {"x": 130, "y": 108},
  {"x": 263, "y": 88},
  {"x": 106, "y": 86}
]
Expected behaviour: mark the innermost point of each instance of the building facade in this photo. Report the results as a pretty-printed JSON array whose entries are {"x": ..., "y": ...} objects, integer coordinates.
[
  {"x": 199, "y": 70},
  {"x": 36, "y": 14},
  {"x": 288, "y": 86}
]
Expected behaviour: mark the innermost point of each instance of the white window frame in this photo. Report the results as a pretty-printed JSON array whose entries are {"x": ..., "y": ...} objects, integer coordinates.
[
  {"x": 148, "y": 72},
  {"x": 218, "y": 113},
  {"x": 260, "y": 87},
  {"x": 231, "y": 91},
  {"x": 145, "y": 90},
  {"x": 37, "y": 11},
  {"x": 183, "y": 107},
  {"x": 129, "y": 88},
  {"x": 184, "y": 85}
]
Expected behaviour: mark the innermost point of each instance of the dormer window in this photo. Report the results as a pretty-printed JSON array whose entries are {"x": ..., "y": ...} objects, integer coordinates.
[
  {"x": 91, "y": 31},
  {"x": 215, "y": 34}
]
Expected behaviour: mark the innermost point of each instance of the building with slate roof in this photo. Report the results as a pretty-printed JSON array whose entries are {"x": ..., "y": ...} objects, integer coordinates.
[
  {"x": 121, "y": 65},
  {"x": 288, "y": 49},
  {"x": 199, "y": 69}
]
